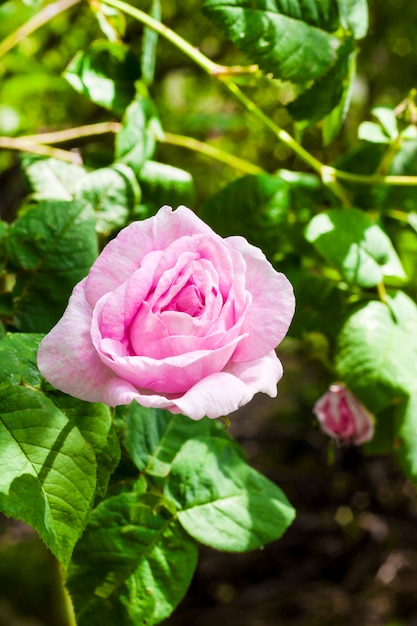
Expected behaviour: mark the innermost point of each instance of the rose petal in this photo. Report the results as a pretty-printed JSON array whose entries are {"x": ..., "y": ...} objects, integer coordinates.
[
  {"x": 269, "y": 316},
  {"x": 222, "y": 393},
  {"x": 123, "y": 255},
  {"x": 67, "y": 357}
]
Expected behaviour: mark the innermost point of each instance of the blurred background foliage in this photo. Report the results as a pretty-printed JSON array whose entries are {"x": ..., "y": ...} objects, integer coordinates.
[{"x": 351, "y": 556}]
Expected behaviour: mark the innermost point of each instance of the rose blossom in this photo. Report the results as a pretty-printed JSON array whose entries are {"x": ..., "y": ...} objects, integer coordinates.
[
  {"x": 175, "y": 317},
  {"x": 343, "y": 417}
]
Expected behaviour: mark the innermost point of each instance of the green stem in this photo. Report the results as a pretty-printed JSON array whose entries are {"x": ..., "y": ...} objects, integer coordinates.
[
  {"x": 22, "y": 144},
  {"x": 64, "y": 608},
  {"x": 221, "y": 72},
  {"x": 68, "y": 134},
  {"x": 170, "y": 35},
  {"x": 211, "y": 151},
  {"x": 38, "y": 20},
  {"x": 224, "y": 73}
]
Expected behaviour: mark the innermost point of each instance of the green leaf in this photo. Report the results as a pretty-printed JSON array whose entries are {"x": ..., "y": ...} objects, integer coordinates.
[
  {"x": 135, "y": 142},
  {"x": 325, "y": 94},
  {"x": 351, "y": 241},
  {"x": 106, "y": 74},
  {"x": 404, "y": 163},
  {"x": 47, "y": 476},
  {"x": 52, "y": 246},
  {"x": 406, "y": 443},
  {"x": 377, "y": 352},
  {"x": 52, "y": 178},
  {"x": 164, "y": 184},
  {"x": 113, "y": 192},
  {"x": 94, "y": 421},
  {"x": 388, "y": 120},
  {"x": 369, "y": 131},
  {"x": 153, "y": 437},
  {"x": 132, "y": 565},
  {"x": 222, "y": 501},
  {"x": 149, "y": 45},
  {"x": 18, "y": 360},
  {"x": 333, "y": 122},
  {"x": 255, "y": 207},
  {"x": 354, "y": 16},
  {"x": 275, "y": 36}
]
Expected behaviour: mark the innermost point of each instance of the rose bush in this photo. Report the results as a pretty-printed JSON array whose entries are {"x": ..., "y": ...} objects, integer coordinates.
[
  {"x": 342, "y": 416},
  {"x": 175, "y": 317}
]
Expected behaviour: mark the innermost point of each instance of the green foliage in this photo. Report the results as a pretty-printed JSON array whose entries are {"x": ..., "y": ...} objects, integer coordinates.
[
  {"x": 51, "y": 247},
  {"x": 134, "y": 562},
  {"x": 234, "y": 509},
  {"x": 124, "y": 503},
  {"x": 106, "y": 74},
  {"x": 352, "y": 242},
  {"x": 280, "y": 39},
  {"x": 377, "y": 351}
]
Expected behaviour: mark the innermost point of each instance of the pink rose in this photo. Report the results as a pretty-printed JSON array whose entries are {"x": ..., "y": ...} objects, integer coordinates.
[
  {"x": 343, "y": 417},
  {"x": 175, "y": 317}
]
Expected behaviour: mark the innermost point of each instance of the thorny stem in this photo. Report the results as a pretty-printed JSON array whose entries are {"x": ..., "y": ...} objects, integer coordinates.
[{"x": 38, "y": 20}]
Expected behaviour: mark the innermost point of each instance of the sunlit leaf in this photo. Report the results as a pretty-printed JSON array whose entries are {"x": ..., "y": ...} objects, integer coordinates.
[{"x": 222, "y": 501}]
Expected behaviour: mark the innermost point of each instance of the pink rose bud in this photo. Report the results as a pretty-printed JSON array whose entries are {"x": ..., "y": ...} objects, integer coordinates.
[
  {"x": 175, "y": 317},
  {"x": 343, "y": 417}
]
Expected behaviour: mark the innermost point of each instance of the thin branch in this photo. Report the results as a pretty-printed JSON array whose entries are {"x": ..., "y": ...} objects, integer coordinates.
[
  {"x": 38, "y": 20},
  {"x": 22, "y": 145},
  {"x": 211, "y": 151},
  {"x": 68, "y": 134}
]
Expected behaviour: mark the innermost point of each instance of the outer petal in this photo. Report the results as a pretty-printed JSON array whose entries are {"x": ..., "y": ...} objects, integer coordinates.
[
  {"x": 222, "y": 393},
  {"x": 67, "y": 357},
  {"x": 269, "y": 316},
  {"x": 122, "y": 256}
]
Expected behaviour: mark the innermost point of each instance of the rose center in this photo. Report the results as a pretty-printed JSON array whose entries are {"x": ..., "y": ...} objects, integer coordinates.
[{"x": 188, "y": 300}]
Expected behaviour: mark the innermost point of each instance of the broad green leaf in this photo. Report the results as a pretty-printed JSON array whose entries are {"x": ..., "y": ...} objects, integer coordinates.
[
  {"x": 52, "y": 247},
  {"x": 406, "y": 440},
  {"x": 223, "y": 502},
  {"x": 164, "y": 184},
  {"x": 354, "y": 16},
  {"x": 404, "y": 163},
  {"x": 412, "y": 220},
  {"x": 106, "y": 74},
  {"x": 153, "y": 437},
  {"x": 18, "y": 360},
  {"x": 113, "y": 192},
  {"x": 47, "y": 471},
  {"x": 149, "y": 45},
  {"x": 333, "y": 122},
  {"x": 369, "y": 131},
  {"x": 364, "y": 159},
  {"x": 325, "y": 94},
  {"x": 276, "y": 37},
  {"x": 133, "y": 564},
  {"x": 256, "y": 207},
  {"x": 52, "y": 178},
  {"x": 388, "y": 120},
  {"x": 351, "y": 241},
  {"x": 324, "y": 315},
  {"x": 94, "y": 421},
  {"x": 135, "y": 142},
  {"x": 377, "y": 352}
]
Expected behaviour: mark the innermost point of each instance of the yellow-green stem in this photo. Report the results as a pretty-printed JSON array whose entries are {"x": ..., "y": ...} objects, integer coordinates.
[
  {"x": 38, "y": 20},
  {"x": 23, "y": 145},
  {"x": 211, "y": 151}
]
